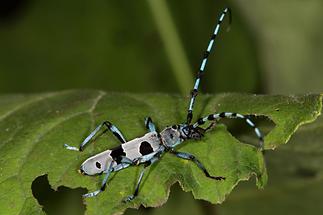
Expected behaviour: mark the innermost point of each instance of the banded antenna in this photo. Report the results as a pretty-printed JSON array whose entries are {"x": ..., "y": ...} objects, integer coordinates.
[{"x": 204, "y": 62}]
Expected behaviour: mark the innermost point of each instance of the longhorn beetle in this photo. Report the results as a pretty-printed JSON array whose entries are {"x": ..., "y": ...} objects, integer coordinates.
[{"x": 149, "y": 148}]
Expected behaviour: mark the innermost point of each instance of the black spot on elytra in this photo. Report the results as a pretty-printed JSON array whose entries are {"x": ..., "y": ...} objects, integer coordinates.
[
  {"x": 60, "y": 201},
  {"x": 145, "y": 148},
  {"x": 98, "y": 165},
  {"x": 117, "y": 154}
]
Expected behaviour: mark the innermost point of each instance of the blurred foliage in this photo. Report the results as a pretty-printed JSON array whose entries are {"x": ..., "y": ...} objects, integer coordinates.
[
  {"x": 289, "y": 40},
  {"x": 272, "y": 47},
  {"x": 115, "y": 45}
]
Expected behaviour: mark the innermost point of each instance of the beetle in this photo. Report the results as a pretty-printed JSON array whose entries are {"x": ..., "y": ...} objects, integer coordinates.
[{"x": 149, "y": 148}]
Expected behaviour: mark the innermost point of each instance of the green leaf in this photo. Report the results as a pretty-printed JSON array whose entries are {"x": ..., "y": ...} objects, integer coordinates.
[{"x": 35, "y": 127}]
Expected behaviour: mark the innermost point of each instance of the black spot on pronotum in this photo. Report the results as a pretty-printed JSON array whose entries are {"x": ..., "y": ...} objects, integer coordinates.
[
  {"x": 98, "y": 165},
  {"x": 60, "y": 201},
  {"x": 145, "y": 148}
]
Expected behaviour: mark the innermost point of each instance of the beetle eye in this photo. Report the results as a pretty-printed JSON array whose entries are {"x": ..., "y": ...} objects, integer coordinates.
[{"x": 98, "y": 165}]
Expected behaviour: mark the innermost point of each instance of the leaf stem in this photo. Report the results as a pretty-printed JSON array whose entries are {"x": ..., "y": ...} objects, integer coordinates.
[{"x": 173, "y": 46}]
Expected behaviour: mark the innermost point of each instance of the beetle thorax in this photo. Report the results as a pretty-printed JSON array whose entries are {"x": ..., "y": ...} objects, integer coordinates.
[{"x": 171, "y": 136}]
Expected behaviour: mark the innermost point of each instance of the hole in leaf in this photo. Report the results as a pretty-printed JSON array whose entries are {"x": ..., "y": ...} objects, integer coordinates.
[
  {"x": 244, "y": 132},
  {"x": 63, "y": 201}
]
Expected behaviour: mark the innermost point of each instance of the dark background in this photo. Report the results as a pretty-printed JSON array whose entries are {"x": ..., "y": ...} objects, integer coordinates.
[{"x": 273, "y": 47}]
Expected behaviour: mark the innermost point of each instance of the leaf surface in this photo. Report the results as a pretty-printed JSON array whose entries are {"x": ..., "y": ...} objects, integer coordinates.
[{"x": 35, "y": 127}]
